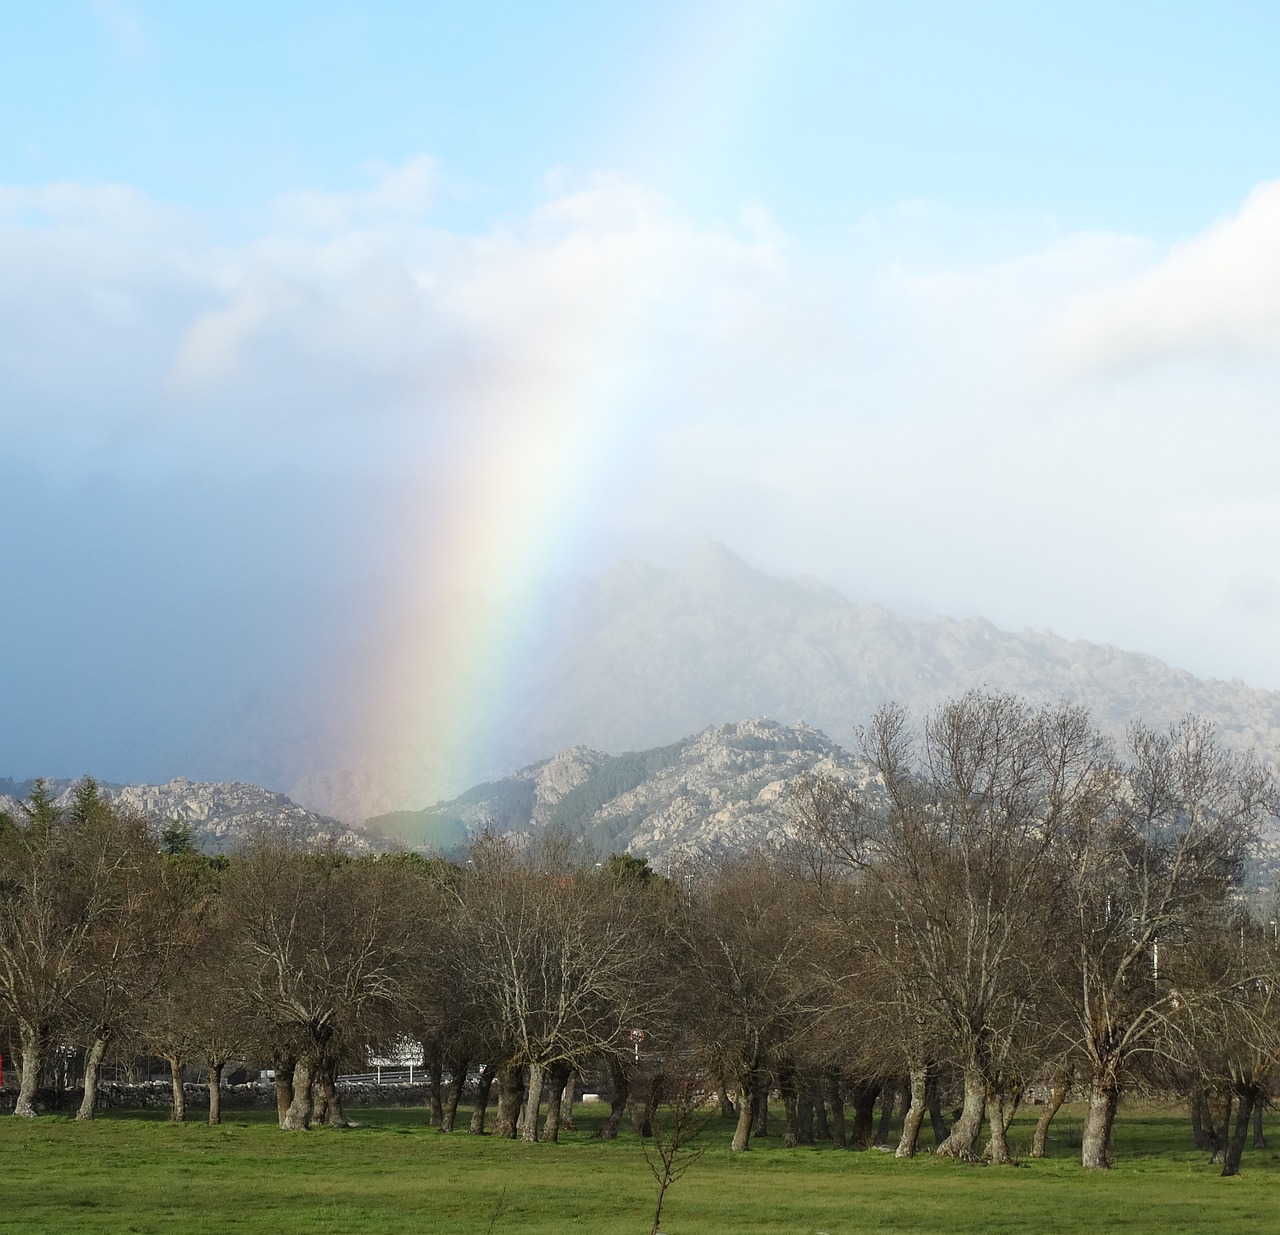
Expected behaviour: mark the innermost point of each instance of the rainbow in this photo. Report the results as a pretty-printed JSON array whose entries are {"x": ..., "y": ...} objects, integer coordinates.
[
  {"x": 522, "y": 484},
  {"x": 552, "y": 430}
]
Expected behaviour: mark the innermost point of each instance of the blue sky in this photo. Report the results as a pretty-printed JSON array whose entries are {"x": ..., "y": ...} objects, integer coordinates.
[
  {"x": 1151, "y": 117},
  {"x": 966, "y": 308}
]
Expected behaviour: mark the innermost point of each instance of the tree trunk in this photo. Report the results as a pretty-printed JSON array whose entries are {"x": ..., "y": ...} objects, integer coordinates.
[
  {"x": 1235, "y": 1144},
  {"x": 835, "y": 1096},
  {"x": 933, "y": 1100},
  {"x": 1201, "y": 1125},
  {"x": 918, "y": 1084},
  {"x": 298, "y": 1116},
  {"x": 337, "y": 1116},
  {"x": 1221, "y": 1111},
  {"x": 92, "y": 1062},
  {"x": 760, "y": 1106},
  {"x": 532, "y": 1103},
  {"x": 28, "y": 1084},
  {"x": 888, "y": 1100},
  {"x": 435, "y": 1074},
  {"x": 214, "y": 1081},
  {"x": 319, "y": 1098},
  {"x": 1096, "y": 1143},
  {"x": 999, "y": 1113},
  {"x": 1259, "y": 1138},
  {"x": 644, "y": 1103},
  {"x": 284, "y": 1067},
  {"x": 618, "y": 1102},
  {"x": 483, "y": 1087},
  {"x": 566, "y": 1103},
  {"x": 727, "y": 1109},
  {"x": 965, "y": 1132},
  {"x": 329, "y": 1106},
  {"x": 746, "y": 1103},
  {"x": 178, "y": 1104},
  {"x": 550, "y": 1133},
  {"x": 821, "y": 1128},
  {"x": 804, "y": 1112},
  {"x": 864, "y": 1097},
  {"x": 453, "y": 1095},
  {"x": 558, "y": 1076},
  {"x": 510, "y": 1091},
  {"x": 1010, "y": 1103},
  {"x": 1057, "y": 1096},
  {"x": 788, "y": 1082}
]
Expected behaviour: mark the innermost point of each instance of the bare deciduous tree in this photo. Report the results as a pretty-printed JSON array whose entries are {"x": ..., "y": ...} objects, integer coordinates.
[
  {"x": 675, "y": 1126},
  {"x": 196, "y": 1013},
  {"x": 1158, "y": 856},
  {"x": 135, "y": 929},
  {"x": 72, "y": 926},
  {"x": 326, "y": 948},
  {"x": 1231, "y": 1033},
  {"x": 563, "y": 960},
  {"x": 958, "y": 837},
  {"x": 752, "y": 948}
]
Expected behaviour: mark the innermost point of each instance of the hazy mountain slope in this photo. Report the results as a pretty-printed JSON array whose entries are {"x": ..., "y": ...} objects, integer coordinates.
[
  {"x": 221, "y": 816},
  {"x": 643, "y": 656},
  {"x": 717, "y": 638}
]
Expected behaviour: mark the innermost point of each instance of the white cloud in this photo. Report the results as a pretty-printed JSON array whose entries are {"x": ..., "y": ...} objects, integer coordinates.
[
  {"x": 109, "y": 211},
  {"x": 406, "y": 192},
  {"x": 1216, "y": 294},
  {"x": 436, "y": 325}
]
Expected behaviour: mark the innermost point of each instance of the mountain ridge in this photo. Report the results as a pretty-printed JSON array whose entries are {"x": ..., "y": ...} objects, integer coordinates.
[
  {"x": 721, "y": 790},
  {"x": 221, "y": 815},
  {"x": 724, "y": 791}
]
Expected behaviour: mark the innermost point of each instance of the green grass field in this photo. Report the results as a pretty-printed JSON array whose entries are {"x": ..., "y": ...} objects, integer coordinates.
[{"x": 143, "y": 1174}]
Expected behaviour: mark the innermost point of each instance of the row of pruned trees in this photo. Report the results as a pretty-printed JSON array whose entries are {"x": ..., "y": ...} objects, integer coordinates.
[
  {"x": 525, "y": 961},
  {"x": 89, "y": 919},
  {"x": 1033, "y": 907},
  {"x": 1007, "y": 903}
]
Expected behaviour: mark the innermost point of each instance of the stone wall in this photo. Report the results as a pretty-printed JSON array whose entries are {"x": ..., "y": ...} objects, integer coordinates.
[{"x": 258, "y": 1096}]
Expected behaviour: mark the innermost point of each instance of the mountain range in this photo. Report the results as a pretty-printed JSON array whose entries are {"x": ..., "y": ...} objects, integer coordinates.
[
  {"x": 220, "y": 816},
  {"x": 722, "y": 790},
  {"x": 640, "y": 657},
  {"x": 725, "y": 790}
]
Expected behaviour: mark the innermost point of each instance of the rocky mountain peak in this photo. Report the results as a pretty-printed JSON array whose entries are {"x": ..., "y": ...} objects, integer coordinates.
[
  {"x": 723, "y": 789},
  {"x": 561, "y": 773}
]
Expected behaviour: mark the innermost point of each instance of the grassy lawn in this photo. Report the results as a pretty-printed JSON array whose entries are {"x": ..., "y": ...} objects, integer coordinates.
[{"x": 142, "y": 1174}]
